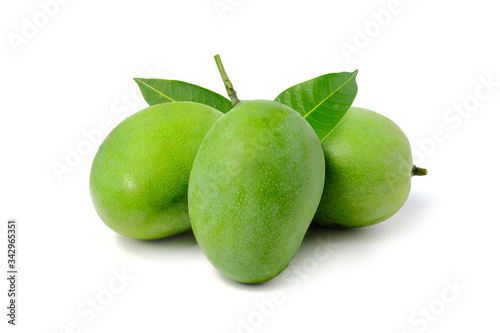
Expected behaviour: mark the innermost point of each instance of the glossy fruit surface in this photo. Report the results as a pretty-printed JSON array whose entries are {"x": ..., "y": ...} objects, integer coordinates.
[
  {"x": 139, "y": 177},
  {"x": 255, "y": 184},
  {"x": 368, "y": 171}
]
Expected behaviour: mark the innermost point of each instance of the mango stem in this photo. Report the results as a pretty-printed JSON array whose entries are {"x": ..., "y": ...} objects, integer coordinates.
[
  {"x": 416, "y": 171},
  {"x": 227, "y": 83}
]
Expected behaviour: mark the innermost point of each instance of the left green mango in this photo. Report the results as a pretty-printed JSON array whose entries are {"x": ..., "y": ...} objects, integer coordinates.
[{"x": 139, "y": 177}]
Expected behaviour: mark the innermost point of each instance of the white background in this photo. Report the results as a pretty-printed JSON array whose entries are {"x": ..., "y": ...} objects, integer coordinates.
[{"x": 75, "y": 72}]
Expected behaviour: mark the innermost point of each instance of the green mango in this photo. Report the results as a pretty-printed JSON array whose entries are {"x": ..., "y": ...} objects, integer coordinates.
[
  {"x": 369, "y": 167},
  {"x": 254, "y": 187},
  {"x": 139, "y": 177}
]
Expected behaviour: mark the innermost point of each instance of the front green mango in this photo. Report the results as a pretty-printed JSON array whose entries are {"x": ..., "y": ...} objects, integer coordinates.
[
  {"x": 140, "y": 174},
  {"x": 255, "y": 184}
]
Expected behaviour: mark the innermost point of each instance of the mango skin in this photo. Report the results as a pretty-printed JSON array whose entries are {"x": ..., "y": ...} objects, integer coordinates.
[
  {"x": 255, "y": 184},
  {"x": 368, "y": 171},
  {"x": 139, "y": 177}
]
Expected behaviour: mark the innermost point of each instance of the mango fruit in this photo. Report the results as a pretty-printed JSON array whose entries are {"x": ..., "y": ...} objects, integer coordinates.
[
  {"x": 369, "y": 167},
  {"x": 139, "y": 176},
  {"x": 255, "y": 184}
]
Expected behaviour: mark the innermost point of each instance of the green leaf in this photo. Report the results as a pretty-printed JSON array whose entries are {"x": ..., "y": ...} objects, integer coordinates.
[
  {"x": 322, "y": 101},
  {"x": 157, "y": 91}
]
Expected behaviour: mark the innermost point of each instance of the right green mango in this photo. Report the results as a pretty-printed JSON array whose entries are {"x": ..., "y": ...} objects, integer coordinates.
[{"x": 369, "y": 166}]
